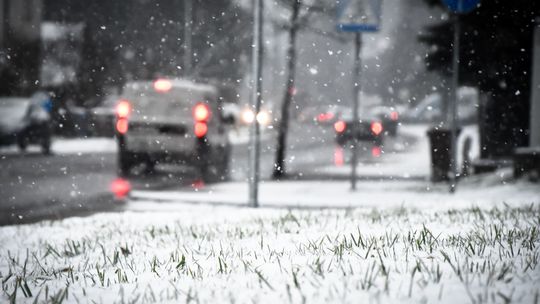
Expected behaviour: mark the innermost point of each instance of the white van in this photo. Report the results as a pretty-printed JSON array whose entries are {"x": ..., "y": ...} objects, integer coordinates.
[{"x": 172, "y": 121}]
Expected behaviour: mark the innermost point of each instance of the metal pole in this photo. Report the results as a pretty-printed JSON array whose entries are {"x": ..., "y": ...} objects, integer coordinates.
[
  {"x": 257, "y": 98},
  {"x": 453, "y": 108},
  {"x": 188, "y": 22},
  {"x": 534, "y": 140},
  {"x": 356, "y": 97}
]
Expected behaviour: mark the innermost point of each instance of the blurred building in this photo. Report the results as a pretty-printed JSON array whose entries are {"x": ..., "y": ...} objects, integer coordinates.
[{"x": 20, "y": 26}]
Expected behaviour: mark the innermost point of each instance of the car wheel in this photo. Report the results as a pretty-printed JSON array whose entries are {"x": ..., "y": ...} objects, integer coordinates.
[
  {"x": 46, "y": 146},
  {"x": 150, "y": 166},
  {"x": 217, "y": 169},
  {"x": 341, "y": 141},
  {"x": 223, "y": 166},
  {"x": 125, "y": 163},
  {"x": 392, "y": 131}
]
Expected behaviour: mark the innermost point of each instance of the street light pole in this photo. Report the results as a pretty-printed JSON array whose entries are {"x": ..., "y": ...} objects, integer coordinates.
[
  {"x": 453, "y": 108},
  {"x": 257, "y": 62},
  {"x": 356, "y": 97}
]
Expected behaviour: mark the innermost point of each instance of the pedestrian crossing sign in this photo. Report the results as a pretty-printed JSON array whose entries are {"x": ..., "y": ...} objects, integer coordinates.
[{"x": 359, "y": 15}]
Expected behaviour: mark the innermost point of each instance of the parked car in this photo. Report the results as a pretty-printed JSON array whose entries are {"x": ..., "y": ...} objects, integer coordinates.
[
  {"x": 23, "y": 122},
  {"x": 172, "y": 121},
  {"x": 430, "y": 109},
  {"x": 368, "y": 129}
]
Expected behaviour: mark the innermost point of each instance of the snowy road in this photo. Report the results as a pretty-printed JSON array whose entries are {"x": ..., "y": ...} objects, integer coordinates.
[
  {"x": 34, "y": 186},
  {"x": 75, "y": 180}
]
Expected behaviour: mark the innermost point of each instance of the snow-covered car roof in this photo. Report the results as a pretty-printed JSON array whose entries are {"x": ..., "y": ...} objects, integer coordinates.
[{"x": 12, "y": 112}]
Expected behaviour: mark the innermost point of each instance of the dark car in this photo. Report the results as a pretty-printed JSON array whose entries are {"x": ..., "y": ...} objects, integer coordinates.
[
  {"x": 368, "y": 129},
  {"x": 389, "y": 117},
  {"x": 24, "y": 122}
]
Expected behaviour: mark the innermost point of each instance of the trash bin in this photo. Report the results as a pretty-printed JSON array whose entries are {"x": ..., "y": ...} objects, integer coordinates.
[{"x": 440, "y": 142}]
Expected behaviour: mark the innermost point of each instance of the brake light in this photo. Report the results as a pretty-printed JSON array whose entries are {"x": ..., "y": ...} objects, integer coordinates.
[
  {"x": 376, "y": 127},
  {"x": 394, "y": 115},
  {"x": 340, "y": 126},
  {"x": 122, "y": 125},
  {"x": 201, "y": 115},
  {"x": 201, "y": 112},
  {"x": 200, "y": 129},
  {"x": 162, "y": 85},
  {"x": 123, "y": 108},
  {"x": 322, "y": 117}
]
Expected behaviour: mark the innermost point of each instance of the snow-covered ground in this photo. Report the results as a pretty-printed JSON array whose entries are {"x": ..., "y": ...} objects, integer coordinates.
[
  {"x": 70, "y": 146},
  {"x": 417, "y": 250},
  {"x": 390, "y": 241},
  {"x": 86, "y": 145}
]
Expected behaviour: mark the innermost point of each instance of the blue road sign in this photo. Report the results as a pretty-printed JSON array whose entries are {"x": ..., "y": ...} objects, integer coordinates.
[
  {"x": 359, "y": 15},
  {"x": 461, "y": 6}
]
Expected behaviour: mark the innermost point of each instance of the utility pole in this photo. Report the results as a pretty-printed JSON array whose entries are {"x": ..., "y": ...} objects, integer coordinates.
[
  {"x": 256, "y": 96},
  {"x": 453, "y": 109},
  {"x": 355, "y": 106},
  {"x": 188, "y": 22},
  {"x": 457, "y": 7},
  {"x": 535, "y": 89}
]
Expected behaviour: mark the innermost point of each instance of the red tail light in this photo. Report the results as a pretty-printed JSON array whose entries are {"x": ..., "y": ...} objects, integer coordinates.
[
  {"x": 340, "y": 126},
  {"x": 200, "y": 129},
  {"x": 376, "y": 127},
  {"x": 201, "y": 112},
  {"x": 322, "y": 117},
  {"x": 201, "y": 115},
  {"x": 123, "y": 108},
  {"x": 394, "y": 115},
  {"x": 122, "y": 125}
]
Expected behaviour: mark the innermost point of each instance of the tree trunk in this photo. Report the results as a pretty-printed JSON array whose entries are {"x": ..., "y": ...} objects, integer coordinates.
[{"x": 279, "y": 164}]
